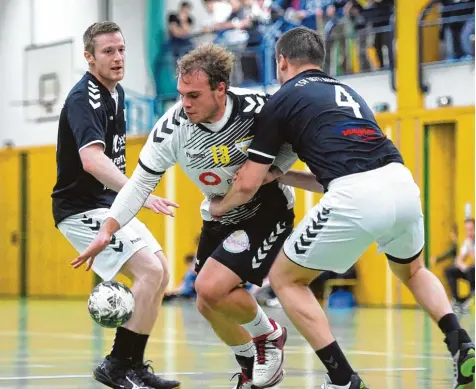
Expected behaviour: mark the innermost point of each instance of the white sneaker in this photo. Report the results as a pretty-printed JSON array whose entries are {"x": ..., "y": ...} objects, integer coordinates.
[
  {"x": 269, "y": 357},
  {"x": 355, "y": 383},
  {"x": 243, "y": 382},
  {"x": 273, "y": 303}
]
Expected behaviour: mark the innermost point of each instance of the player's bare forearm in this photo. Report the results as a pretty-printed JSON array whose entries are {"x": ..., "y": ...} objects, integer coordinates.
[
  {"x": 110, "y": 226},
  {"x": 96, "y": 163},
  {"x": 301, "y": 179},
  {"x": 248, "y": 180},
  {"x": 237, "y": 195}
]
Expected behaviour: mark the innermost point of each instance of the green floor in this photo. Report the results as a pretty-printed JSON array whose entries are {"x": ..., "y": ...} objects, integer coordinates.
[{"x": 51, "y": 344}]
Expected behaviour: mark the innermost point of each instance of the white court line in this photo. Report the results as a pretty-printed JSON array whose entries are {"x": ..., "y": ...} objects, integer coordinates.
[
  {"x": 295, "y": 349},
  {"x": 189, "y": 373},
  {"x": 69, "y": 336}
]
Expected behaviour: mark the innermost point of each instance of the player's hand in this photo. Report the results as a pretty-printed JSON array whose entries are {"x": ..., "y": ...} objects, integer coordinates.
[
  {"x": 159, "y": 205},
  {"x": 100, "y": 242},
  {"x": 213, "y": 209}
]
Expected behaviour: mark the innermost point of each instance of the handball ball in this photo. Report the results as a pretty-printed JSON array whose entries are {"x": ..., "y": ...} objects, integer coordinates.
[{"x": 111, "y": 304}]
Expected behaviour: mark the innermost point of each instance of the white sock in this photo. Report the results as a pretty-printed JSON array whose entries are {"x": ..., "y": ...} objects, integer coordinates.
[
  {"x": 244, "y": 350},
  {"x": 260, "y": 325}
]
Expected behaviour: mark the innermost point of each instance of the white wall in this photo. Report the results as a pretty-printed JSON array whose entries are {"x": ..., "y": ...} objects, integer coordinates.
[
  {"x": 48, "y": 21},
  {"x": 455, "y": 80}
]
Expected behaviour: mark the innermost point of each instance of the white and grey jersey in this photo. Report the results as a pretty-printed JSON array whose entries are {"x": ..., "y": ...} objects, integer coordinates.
[{"x": 210, "y": 156}]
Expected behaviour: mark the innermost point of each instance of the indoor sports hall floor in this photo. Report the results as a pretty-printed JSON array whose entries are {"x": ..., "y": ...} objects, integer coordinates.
[{"x": 54, "y": 344}]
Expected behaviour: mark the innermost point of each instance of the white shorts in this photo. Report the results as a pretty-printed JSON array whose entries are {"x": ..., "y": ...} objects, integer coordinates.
[
  {"x": 82, "y": 228},
  {"x": 381, "y": 205}
]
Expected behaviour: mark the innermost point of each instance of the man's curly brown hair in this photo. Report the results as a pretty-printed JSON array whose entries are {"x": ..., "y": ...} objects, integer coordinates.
[{"x": 213, "y": 60}]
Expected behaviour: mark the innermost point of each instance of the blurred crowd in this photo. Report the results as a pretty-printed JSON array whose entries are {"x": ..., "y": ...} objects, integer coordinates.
[{"x": 359, "y": 33}]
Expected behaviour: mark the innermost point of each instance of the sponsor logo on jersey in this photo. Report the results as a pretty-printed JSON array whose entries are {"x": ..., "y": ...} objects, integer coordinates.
[
  {"x": 192, "y": 154},
  {"x": 237, "y": 242},
  {"x": 355, "y": 130},
  {"x": 243, "y": 144},
  {"x": 209, "y": 178},
  {"x": 365, "y": 134},
  {"x": 118, "y": 143}
]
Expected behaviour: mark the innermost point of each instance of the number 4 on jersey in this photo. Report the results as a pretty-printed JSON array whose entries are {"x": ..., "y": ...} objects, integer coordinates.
[{"x": 348, "y": 102}]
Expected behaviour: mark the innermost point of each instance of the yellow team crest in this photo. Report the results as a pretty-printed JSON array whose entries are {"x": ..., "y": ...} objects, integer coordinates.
[{"x": 243, "y": 144}]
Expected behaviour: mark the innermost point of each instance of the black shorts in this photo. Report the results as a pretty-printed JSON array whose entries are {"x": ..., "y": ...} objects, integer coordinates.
[{"x": 248, "y": 248}]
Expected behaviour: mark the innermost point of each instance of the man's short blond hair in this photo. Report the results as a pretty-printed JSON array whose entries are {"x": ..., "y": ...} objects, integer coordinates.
[
  {"x": 98, "y": 29},
  {"x": 213, "y": 60}
]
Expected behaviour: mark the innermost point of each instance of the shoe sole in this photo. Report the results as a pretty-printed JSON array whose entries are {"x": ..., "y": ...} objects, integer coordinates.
[
  {"x": 467, "y": 370},
  {"x": 279, "y": 376},
  {"x": 105, "y": 381}
]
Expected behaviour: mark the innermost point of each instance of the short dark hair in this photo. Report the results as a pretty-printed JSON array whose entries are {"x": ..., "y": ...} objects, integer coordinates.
[
  {"x": 302, "y": 44},
  {"x": 213, "y": 60},
  {"x": 185, "y": 4},
  {"x": 469, "y": 220},
  {"x": 98, "y": 29}
]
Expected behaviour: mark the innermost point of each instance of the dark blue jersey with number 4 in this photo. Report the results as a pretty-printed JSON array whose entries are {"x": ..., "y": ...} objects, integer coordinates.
[{"x": 328, "y": 124}]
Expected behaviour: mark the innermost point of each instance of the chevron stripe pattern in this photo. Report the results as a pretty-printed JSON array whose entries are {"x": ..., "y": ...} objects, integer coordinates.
[
  {"x": 267, "y": 244},
  {"x": 167, "y": 128},
  {"x": 94, "y": 95},
  {"x": 254, "y": 103},
  {"x": 312, "y": 230},
  {"x": 115, "y": 244}
]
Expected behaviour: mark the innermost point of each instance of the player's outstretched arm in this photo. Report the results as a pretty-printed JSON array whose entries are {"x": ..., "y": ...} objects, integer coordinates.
[
  {"x": 128, "y": 202},
  {"x": 96, "y": 163},
  {"x": 301, "y": 179}
]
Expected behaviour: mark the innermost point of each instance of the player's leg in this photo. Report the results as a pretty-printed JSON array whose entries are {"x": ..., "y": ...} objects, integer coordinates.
[
  {"x": 147, "y": 272},
  {"x": 232, "y": 334},
  {"x": 405, "y": 259},
  {"x": 227, "y": 327},
  {"x": 323, "y": 240},
  {"x": 143, "y": 370},
  {"x": 431, "y": 295},
  {"x": 239, "y": 321},
  {"x": 238, "y": 258},
  {"x": 127, "y": 253}
]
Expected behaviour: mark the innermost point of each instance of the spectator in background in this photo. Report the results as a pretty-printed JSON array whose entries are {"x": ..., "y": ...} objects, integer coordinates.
[
  {"x": 455, "y": 36},
  {"x": 354, "y": 9},
  {"x": 295, "y": 13},
  {"x": 379, "y": 13},
  {"x": 467, "y": 37},
  {"x": 317, "y": 286},
  {"x": 452, "y": 251},
  {"x": 258, "y": 13},
  {"x": 186, "y": 290},
  {"x": 333, "y": 12},
  {"x": 218, "y": 12},
  {"x": 180, "y": 29},
  {"x": 233, "y": 29},
  {"x": 463, "y": 270}
]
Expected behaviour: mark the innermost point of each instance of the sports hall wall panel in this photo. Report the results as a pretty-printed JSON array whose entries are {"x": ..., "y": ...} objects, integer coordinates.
[
  {"x": 10, "y": 234},
  {"x": 49, "y": 254}
]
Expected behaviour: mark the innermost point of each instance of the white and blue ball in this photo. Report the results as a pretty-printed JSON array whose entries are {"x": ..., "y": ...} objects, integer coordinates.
[{"x": 111, "y": 304}]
